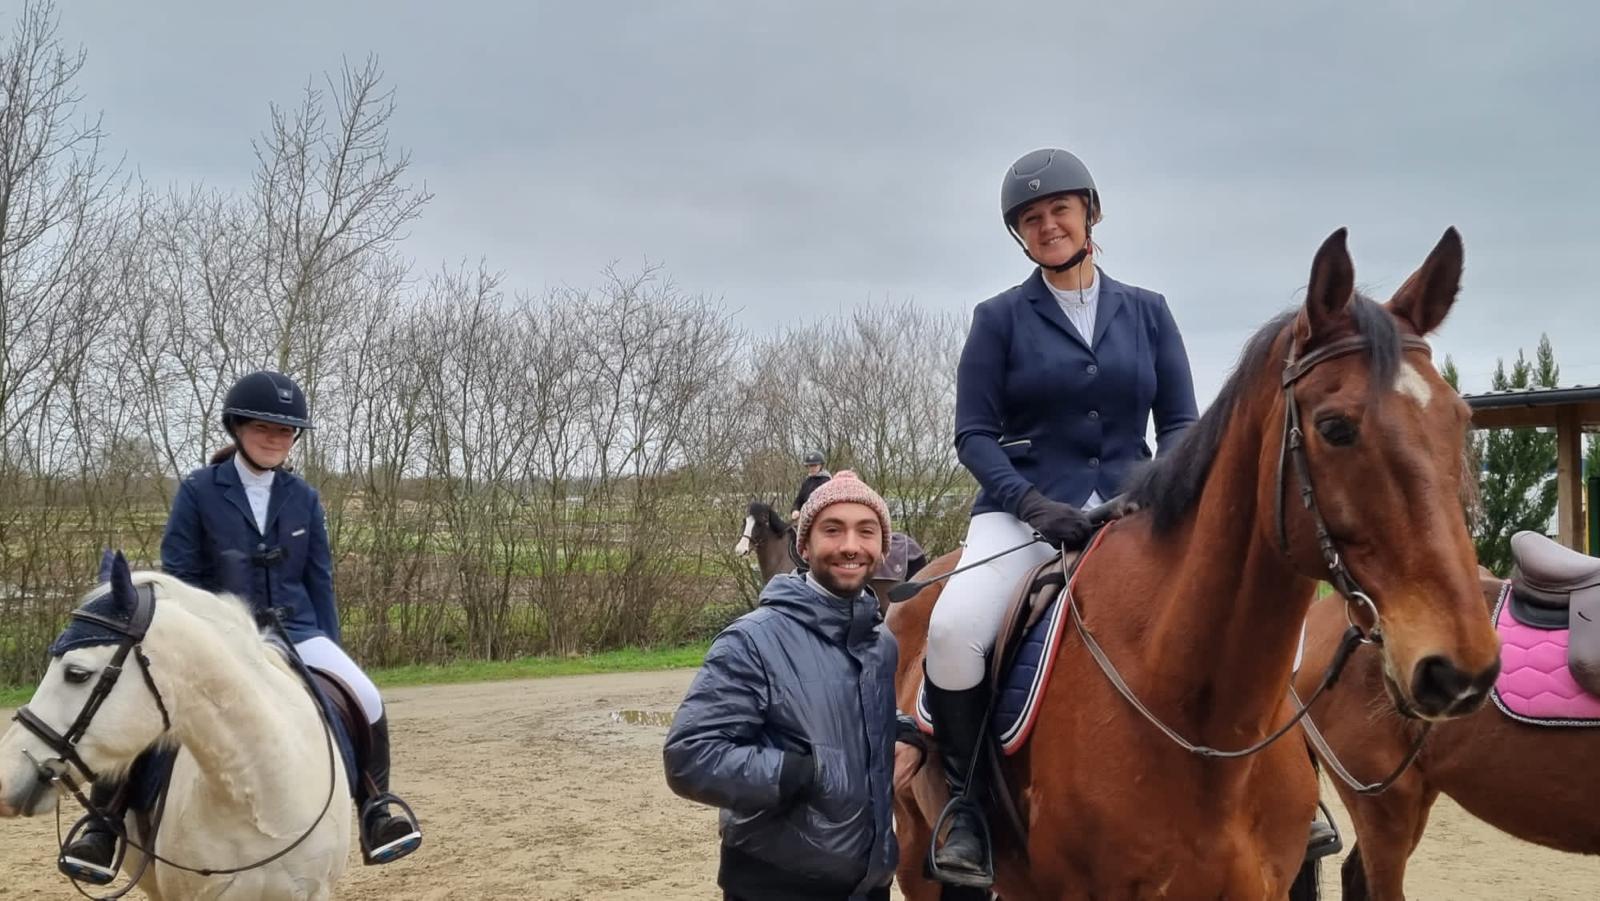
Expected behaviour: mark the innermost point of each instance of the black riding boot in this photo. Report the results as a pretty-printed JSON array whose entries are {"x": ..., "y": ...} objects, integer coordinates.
[
  {"x": 389, "y": 829},
  {"x": 964, "y": 856},
  {"x": 90, "y": 855}
]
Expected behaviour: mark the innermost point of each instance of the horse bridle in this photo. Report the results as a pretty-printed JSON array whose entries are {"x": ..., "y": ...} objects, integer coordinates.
[
  {"x": 1294, "y": 448},
  {"x": 788, "y": 535},
  {"x": 65, "y": 745},
  {"x": 1343, "y": 581},
  {"x": 56, "y": 771}
]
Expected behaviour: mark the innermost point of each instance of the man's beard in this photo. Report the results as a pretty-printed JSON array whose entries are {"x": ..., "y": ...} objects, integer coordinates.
[{"x": 825, "y": 578}]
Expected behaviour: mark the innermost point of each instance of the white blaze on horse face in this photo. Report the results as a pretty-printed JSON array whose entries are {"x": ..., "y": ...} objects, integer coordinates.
[
  {"x": 1413, "y": 384},
  {"x": 743, "y": 547}
]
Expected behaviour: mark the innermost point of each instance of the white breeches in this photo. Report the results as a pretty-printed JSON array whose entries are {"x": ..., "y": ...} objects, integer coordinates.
[
  {"x": 967, "y": 618},
  {"x": 321, "y": 653}
]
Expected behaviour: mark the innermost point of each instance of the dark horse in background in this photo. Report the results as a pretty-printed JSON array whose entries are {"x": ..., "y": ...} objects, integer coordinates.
[
  {"x": 1334, "y": 447},
  {"x": 1540, "y": 783},
  {"x": 772, "y": 539}
]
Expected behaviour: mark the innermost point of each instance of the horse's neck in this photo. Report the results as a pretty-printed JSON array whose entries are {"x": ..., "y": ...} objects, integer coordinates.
[
  {"x": 1229, "y": 606},
  {"x": 774, "y": 552},
  {"x": 255, "y": 743}
]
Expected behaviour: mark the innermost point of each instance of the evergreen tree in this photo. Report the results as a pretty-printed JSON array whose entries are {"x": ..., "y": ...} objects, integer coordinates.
[{"x": 1517, "y": 487}]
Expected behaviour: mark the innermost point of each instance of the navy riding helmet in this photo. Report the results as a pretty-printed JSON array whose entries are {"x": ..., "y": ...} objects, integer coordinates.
[{"x": 269, "y": 397}]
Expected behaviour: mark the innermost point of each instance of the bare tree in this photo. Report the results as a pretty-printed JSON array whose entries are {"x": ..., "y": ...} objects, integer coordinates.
[
  {"x": 57, "y": 213},
  {"x": 329, "y": 191}
]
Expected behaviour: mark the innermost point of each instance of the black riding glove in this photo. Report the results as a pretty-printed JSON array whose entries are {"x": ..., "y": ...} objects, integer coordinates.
[{"x": 1061, "y": 524}]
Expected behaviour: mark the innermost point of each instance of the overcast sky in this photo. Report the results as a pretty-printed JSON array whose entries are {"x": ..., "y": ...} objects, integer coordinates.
[{"x": 799, "y": 158}]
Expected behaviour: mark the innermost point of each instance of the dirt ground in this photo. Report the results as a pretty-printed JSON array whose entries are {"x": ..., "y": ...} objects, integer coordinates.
[{"x": 552, "y": 789}]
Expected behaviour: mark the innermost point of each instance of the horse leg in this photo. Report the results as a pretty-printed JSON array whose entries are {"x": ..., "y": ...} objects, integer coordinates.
[
  {"x": 914, "y": 828},
  {"x": 1353, "y": 877},
  {"x": 1389, "y": 827},
  {"x": 1307, "y": 883},
  {"x": 916, "y": 835}
]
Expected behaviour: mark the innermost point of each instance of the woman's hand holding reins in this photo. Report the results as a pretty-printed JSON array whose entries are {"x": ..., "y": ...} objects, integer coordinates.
[{"x": 1060, "y": 524}]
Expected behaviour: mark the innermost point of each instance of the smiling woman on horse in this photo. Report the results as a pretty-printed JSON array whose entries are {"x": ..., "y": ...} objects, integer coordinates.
[
  {"x": 1058, "y": 379},
  {"x": 246, "y": 507}
]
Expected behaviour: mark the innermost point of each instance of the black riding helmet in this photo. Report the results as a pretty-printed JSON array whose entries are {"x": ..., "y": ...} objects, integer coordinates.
[
  {"x": 268, "y": 397},
  {"x": 1046, "y": 173}
]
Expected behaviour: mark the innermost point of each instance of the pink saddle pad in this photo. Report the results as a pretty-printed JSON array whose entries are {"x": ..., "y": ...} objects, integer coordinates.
[{"x": 1535, "y": 685}]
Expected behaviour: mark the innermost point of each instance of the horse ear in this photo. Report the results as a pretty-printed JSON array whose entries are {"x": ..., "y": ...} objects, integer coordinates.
[
  {"x": 121, "y": 579},
  {"x": 105, "y": 566},
  {"x": 1333, "y": 283},
  {"x": 1427, "y": 296}
]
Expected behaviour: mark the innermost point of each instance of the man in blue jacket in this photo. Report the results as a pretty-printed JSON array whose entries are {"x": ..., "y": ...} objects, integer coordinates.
[{"x": 790, "y": 725}]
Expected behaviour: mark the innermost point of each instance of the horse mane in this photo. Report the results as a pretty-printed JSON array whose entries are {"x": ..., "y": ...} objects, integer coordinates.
[
  {"x": 226, "y": 614},
  {"x": 763, "y": 512},
  {"x": 1171, "y": 485}
]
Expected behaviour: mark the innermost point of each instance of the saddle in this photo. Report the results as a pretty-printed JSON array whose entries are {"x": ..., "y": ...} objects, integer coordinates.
[
  {"x": 341, "y": 711},
  {"x": 341, "y": 704},
  {"x": 1556, "y": 588},
  {"x": 1035, "y": 596},
  {"x": 905, "y": 557},
  {"x": 1024, "y": 651}
]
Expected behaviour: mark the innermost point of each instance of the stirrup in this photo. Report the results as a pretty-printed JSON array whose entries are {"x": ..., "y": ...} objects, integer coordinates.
[
  {"x": 1332, "y": 844},
  {"x": 80, "y": 870},
  {"x": 982, "y": 879},
  {"x": 393, "y": 850}
]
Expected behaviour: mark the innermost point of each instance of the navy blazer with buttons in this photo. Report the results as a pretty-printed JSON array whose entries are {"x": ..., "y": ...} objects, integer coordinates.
[
  {"x": 211, "y": 538},
  {"x": 1040, "y": 405}
]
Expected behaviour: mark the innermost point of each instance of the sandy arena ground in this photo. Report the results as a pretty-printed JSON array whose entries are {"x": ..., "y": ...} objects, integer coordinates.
[{"x": 552, "y": 789}]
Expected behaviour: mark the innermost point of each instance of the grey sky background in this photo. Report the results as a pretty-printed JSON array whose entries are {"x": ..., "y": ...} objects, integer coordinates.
[{"x": 797, "y": 159}]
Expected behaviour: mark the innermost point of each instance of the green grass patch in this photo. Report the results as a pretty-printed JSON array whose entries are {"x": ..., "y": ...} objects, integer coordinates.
[{"x": 630, "y": 660}]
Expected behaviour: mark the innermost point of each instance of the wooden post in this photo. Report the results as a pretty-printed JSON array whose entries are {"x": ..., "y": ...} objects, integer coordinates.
[{"x": 1569, "y": 478}]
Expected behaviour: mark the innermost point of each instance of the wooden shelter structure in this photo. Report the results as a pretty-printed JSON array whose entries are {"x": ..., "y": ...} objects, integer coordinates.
[{"x": 1569, "y": 412}]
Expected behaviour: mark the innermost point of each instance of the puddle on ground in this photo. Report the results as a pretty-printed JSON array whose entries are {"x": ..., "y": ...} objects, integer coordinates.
[{"x": 641, "y": 717}]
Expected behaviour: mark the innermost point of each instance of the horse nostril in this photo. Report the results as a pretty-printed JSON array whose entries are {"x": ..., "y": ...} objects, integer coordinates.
[{"x": 1438, "y": 685}]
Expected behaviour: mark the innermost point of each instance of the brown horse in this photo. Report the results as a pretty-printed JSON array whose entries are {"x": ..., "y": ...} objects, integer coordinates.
[
  {"x": 1199, "y": 597},
  {"x": 1536, "y": 783},
  {"x": 771, "y": 537}
]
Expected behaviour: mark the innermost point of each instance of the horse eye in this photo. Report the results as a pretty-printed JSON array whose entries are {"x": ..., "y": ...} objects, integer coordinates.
[
  {"x": 1337, "y": 430},
  {"x": 77, "y": 675}
]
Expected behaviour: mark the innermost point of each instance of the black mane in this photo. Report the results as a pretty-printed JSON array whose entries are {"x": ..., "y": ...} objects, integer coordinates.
[
  {"x": 765, "y": 514},
  {"x": 1170, "y": 486}
]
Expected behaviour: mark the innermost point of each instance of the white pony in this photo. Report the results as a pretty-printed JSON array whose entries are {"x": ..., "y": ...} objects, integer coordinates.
[{"x": 252, "y": 774}]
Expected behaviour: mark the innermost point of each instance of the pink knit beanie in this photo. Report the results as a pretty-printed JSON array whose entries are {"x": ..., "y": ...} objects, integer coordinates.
[{"x": 844, "y": 488}]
